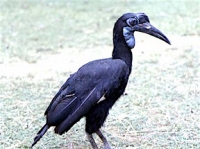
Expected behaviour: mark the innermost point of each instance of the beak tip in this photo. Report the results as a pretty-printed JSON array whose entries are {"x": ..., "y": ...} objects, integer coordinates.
[{"x": 168, "y": 42}]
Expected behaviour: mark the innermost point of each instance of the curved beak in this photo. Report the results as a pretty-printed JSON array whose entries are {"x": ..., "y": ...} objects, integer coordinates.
[{"x": 151, "y": 30}]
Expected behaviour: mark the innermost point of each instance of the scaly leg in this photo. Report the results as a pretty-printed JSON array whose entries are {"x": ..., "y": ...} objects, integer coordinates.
[
  {"x": 105, "y": 142},
  {"x": 92, "y": 142}
]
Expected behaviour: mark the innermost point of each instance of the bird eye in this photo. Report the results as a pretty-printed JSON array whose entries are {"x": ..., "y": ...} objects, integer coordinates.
[{"x": 132, "y": 21}]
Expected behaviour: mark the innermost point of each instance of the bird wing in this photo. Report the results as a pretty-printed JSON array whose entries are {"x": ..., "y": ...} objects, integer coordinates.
[{"x": 82, "y": 91}]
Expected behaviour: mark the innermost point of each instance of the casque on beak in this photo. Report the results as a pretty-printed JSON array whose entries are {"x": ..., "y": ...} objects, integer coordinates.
[{"x": 151, "y": 30}]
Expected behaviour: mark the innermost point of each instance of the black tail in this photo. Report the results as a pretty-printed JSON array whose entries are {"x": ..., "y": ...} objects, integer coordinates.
[{"x": 42, "y": 131}]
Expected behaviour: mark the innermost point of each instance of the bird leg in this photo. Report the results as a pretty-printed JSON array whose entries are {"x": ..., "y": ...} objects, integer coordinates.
[
  {"x": 105, "y": 142},
  {"x": 91, "y": 140}
]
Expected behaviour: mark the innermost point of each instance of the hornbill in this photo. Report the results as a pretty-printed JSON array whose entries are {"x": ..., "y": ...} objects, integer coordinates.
[{"x": 95, "y": 87}]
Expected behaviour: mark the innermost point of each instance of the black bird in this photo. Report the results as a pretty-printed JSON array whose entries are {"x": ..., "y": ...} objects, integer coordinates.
[{"x": 95, "y": 87}]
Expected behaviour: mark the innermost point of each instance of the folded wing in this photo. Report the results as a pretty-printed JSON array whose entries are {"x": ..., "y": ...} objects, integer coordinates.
[{"x": 82, "y": 91}]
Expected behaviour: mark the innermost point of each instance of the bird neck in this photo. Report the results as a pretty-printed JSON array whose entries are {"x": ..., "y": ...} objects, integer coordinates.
[{"x": 123, "y": 52}]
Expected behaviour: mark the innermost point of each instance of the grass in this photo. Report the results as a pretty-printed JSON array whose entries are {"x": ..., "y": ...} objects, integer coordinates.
[{"x": 40, "y": 43}]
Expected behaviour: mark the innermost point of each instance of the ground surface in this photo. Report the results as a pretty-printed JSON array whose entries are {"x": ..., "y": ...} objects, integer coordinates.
[{"x": 42, "y": 43}]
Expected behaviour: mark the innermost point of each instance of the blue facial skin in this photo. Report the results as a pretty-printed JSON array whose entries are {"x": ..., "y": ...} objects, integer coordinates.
[{"x": 128, "y": 36}]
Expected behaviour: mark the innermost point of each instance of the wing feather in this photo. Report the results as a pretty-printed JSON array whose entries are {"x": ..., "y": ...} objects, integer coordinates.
[
  {"x": 82, "y": 91},
  {"x": 90, "y": 100}
]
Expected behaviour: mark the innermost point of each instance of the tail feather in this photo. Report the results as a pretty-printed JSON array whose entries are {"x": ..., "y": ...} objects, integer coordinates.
[{"x": 42, "y": 131}]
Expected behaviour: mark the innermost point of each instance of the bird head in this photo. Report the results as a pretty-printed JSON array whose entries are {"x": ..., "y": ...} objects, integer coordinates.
[{"x": 131, "y": 22}]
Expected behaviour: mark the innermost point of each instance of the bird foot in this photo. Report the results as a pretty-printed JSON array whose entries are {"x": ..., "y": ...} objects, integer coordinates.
[{"x": 107, "y": 146}]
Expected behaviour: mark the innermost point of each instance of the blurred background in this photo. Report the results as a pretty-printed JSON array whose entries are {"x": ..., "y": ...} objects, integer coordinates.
[{"x": 43, "y": 41}]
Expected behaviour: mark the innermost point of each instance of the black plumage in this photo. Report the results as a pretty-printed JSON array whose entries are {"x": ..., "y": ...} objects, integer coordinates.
[{"x": 96, "y": 86}]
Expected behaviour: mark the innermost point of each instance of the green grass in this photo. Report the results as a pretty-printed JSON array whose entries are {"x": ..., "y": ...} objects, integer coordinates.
[
  {"x": 32, "y": 25},
  {"x": 42, "y": 42}
]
